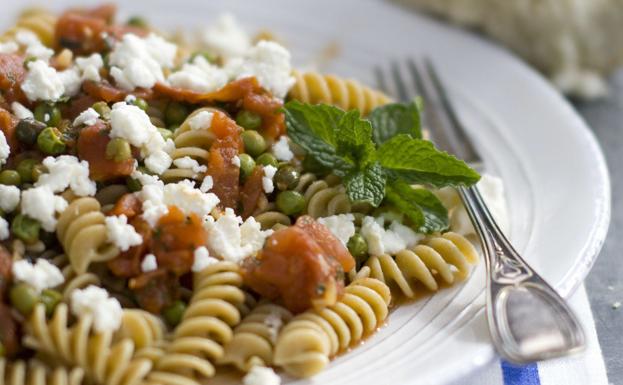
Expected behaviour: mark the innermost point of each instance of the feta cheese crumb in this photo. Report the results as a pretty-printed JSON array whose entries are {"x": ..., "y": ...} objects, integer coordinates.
[
  {"x": 120, "y": 233},
  {"x": 189, "y": 163},
  {"x": 90, "y": 67},
  {"x": 71, "y": 81},
  {"x": 145, "y": 179},
  {"x": 42, "y": 82},
  {"x": 236, "y": 161},
  {"x": 87, "y": 117},
  {"x": 226, "y": 37},
  {"x": 199, "y": 76},
  {"x": 9, "y": 198},
  {"x": 5, "y": 150},
  {"x": 34, "y": 47},
  {"x": 390, "y": 241},
  {"x": 149, "y": 263},
  {"x": 41, "y": 275},
  {"x": 260, "y": 375},
  {"x": 342, "y": 226},
  {"x": 9, "y": 47},
  {"x": 207, "y": 184},
  {"x": 158, "y": 161},
  {"x": 20, "y": 111},
  {"x": 281, "y": 149},
  {"x": 202, "y": 259},
  {"x": 138, "y": 62},
  {"x": 67, "y": 171},
  {"x": 41, "y": 204},
  {"x": 4, "y": 229},
  {"x": 201, "y": 120},
  {"x": 267, "y": 179},
  {"x": 270, "y": 63},
  {"x": 107, "y": 311},
  {"x": 232, "y": 241}
]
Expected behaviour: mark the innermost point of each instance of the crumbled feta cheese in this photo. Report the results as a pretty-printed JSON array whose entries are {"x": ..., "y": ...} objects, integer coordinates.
[
  {"x": 261, "y": 375},
  {"x": 9, "y": 47},
  {"x": 236, "y": 161},
  {"x": 34, "y": 47},
  {"x": 152, "y": 211},
  {"x": 207, "y": 184},
  {"x": 71, "y": 81},
  {"x": 189, "y": 163},
  {"x": 9, "y": 198},
  {"x": 390, "y": 241},
  {"x": 201, "y": 120},
  {"x": 107, "y": 311},
  {"x": 90, "y": 67},
  {"x": 267, "y": 179},
  {"x": 4, "y": 229},
  {"x": 202, "y": 259},
  {"x": 41, "y": 204},
  {"x": 42, "y": 82},
  {"x": 5, "y": 150},
  {"x": 270, "y": 63},
  {"x": 342, "y": 226},
  {"x": 41, "y": 275},
  {"x": 20, "y": 111},
  {"x": 138, "y": 62},
  {"x": 87, "y": 117},
  {"x": 158, "y": 161},
  {"x": 120, "y": 233},
  {"x": 199, "y": 76},
  {"x": 226, "y": 37},
  {"x": 145, "y": 179},
  {"x": 281, "y": 149},
  {"x": 232, "y": 241},
  {"x": 149, "y": 263},
  {"x": 67, "y": 171}
]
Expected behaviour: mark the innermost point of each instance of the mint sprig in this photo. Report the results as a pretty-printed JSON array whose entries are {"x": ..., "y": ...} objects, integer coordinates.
[{"x": 380, "y": 157}]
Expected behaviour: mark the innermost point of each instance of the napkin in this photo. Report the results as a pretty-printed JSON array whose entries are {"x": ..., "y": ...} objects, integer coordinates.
[{"x": 586, "y": 368}]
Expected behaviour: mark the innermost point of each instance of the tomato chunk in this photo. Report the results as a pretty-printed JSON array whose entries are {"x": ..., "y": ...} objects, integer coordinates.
[
  {"x": 224, "y": 172},
  {"x": 294, "y": 267},
  {"x": 128, "y": 205},
  {"x": 252, "y": 191},
  {"x": 128, "y": 263},
  {"x": 8, "y": 123},
  {"x": 327, "y": 241},
  {"x": 12, "y": 74},
  {"x": 92, "y": 148},
  {"x": 109, "y": 93}
]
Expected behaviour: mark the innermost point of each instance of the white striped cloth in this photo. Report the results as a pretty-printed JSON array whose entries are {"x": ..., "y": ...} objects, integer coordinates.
[{"x": 586, "y": 368}]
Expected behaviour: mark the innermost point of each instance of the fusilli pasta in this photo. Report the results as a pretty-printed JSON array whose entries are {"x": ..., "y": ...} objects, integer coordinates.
[
  {"x": 39, "y": 21},
  {"x": 73, "y": 280},
  {"x": 348, "y": 94},
  {"x": 36, "y": 373}
]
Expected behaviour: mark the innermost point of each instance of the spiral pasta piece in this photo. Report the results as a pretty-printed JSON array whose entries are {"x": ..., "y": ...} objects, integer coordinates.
[
  {"x": 36, "y": 373},
  {"x": 441, "y": 258},
  {"x": 347, "y": 94},
  {"x": 81, "y": 230},
  {"x": 73, "y": 280},
  {"x": 194, "y": 143},
  {"x": 198, "y": 341},
  {"x": 307, "y": 342},
  {"x": 103, "y": 359},
  {"x": 39, "y": 21},
  {"x": 267, "y": 215},
  {"x": 254, "y": 339},
  {"x": 323, "y": 197}
]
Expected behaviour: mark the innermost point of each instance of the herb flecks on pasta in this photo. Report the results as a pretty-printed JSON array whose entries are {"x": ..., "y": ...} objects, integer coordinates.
[{"x": 171, "y": 206}]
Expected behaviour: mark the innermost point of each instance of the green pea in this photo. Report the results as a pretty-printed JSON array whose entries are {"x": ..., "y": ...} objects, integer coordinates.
[
  {"x": 119, "y": 150},
  {"x": 254, "y": 143},
  {"x": 102, "y": 109},
  {"x": 25, "y": 228},
  {"x": 140, "y": 103},
  {"x": 290, "y": 202},
  {"x": 48, "y": 114},
  {"x": 175, "y": 113},
  {"x": 173, "y": 313},
  {"x": 10, "y": 177},
  {"x": 133, "y": 184},
  {"x": 23, "y": 298},
  {"x": 166, "y": 133},
  {"x": 206, "y": 55},
  {"x": 24, "y": 169},
  {"x": 37, "y": 171},
  {"x": 27, "y": 131},
  {"x": 247, "y": 164},
  {"x": 248, "y": 120},
  {"x": 286, "y": 178},
  {"x": 137, "y": 21},
  {"x": 358, "y": 247},
  {"x": 49, "y": 141},
  {"x": 267, "y": 159},
  {"x": 50, "y": 298}
]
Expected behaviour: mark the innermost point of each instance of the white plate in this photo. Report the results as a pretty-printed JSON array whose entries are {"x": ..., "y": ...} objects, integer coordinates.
[{"x": 555, "y": 174}]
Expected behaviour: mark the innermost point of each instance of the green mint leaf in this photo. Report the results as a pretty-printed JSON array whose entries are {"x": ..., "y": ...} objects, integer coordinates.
[
  {"x": 418, "y": 161},
  {"x": 314, "y": 128},
  {"x": 354, "y": 139},
  {"x": 397, "y": 118},
  {"x": 420, "y": 205},
  {"x": 366, "y": 185}
]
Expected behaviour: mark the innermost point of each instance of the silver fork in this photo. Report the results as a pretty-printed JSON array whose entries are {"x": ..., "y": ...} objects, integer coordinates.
[{"x": 528, "y": 320}]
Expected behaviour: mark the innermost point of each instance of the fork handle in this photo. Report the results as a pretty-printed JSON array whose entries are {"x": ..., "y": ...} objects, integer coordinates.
[{"x": 528, "y": 320}]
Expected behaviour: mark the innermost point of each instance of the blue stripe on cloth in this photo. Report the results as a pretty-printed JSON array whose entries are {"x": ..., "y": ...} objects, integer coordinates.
[{"x": 520, "y": 375}]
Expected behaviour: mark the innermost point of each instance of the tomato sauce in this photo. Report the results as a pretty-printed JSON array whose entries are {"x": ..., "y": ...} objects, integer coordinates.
[{"x": 92, "y": 144}]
